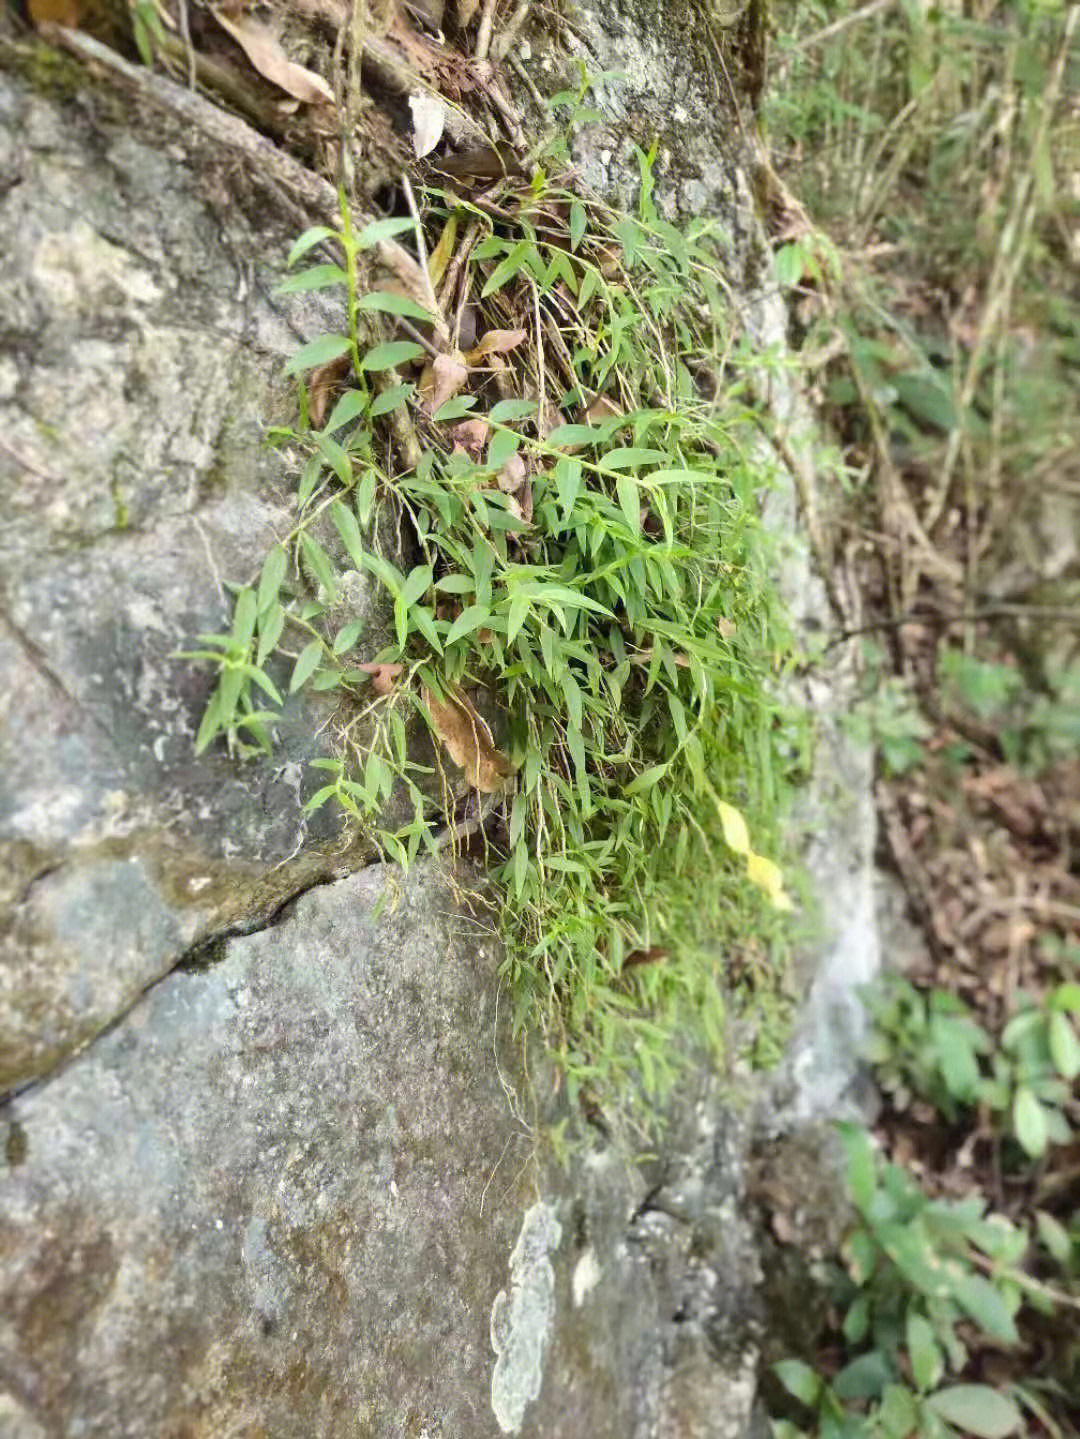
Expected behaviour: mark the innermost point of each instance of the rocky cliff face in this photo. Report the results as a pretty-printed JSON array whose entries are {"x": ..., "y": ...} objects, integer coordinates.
[{"x": 271, "y": 1164}]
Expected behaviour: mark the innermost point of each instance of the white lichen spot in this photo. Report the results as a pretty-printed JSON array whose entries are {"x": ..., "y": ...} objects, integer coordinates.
[
  {"x": 586, "y": 1273},
  {"x": 521, "y": 1319}
]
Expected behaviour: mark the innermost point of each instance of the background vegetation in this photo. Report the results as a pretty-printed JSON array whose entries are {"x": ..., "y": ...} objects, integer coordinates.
[{"x": 926, "y": 215}]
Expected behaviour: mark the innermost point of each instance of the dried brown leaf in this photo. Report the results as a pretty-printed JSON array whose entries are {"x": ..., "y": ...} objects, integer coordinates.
[
  {"x": 468, "y": 741},
  {"x": 471, "y": 436},
  {"x": 512, "y": 475},
  {"x": 56, "y": 12},
  {"x": 322, "y": 383},
  {"x": 441, "y": 380},
  {"x": 494, "y": 342},
  {"x": 653, "y": 955},
  {"x": 601, "y": 409},
  {"x": 260, "y": 43},
  {"x": 383, "y": 676}
]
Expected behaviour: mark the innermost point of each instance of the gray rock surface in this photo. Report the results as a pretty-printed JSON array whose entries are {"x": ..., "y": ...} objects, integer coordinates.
[
  {"x": 140, "y": 362},
  {"x": 294, "y": 1194}
]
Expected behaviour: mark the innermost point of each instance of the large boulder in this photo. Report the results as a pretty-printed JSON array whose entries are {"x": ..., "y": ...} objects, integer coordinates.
[{"x": 141, "y": 350}]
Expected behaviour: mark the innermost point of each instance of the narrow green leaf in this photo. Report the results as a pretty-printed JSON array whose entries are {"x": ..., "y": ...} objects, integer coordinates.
[
  {"x": 319, "y": 562},
  {"x": 244, "y": 616},
  {"x": 385, "y": 302},
  {"x": 629, "y": 502},
  {"x": 347, "y": 636},
  {"x": 977, "y": 1409},
  {"x": 273, "y": 572},
  {"x": 319, "y": 277},
  {"x": 1029, "y": 1122},
  {"x": 349, "y": 531},
  {"x": 263, "y": 680},
  {"x": 473, "y": 618},
  {"x": 647, "y": 779},
  {"x": 318, "y": 352},
  {"x": 506, "y": 269},
  {"x": 1064, "y": 1045},
  {"x": 379, "y": 230},
  {"x": 578, "y": 223},
  {"x": 505, "y": 411},
  {"x": 789, "y": 266},
  {"x": 350, "y": 406},
  {"x": 927, "y": 1363},
  {"x": 390, "y": 399},
  {"x": 307, "y": 662},
  {"x": 518, "y": 613},
  {"x": 454, "y": 409},
  {"x": 799, "y": 1380},
  {"x": 390, "y": 353},
  {"x": 336, "y": 458},
  {"x": 979, "y": 1298},
  {"x": 271, "y": 624},
  {"x": 416, "y": 584},
  {"x": 308, "y": 240}
]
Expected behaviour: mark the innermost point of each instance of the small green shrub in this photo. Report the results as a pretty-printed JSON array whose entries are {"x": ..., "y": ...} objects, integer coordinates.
[
  {"x": 929, "y": 1045},
  {"x": 589, "y": 570},
  {"x": 923, "y": 1283}
]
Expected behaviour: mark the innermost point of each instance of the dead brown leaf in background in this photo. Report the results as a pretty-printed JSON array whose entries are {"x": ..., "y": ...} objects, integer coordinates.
[
  {"x": 383, "y": 677},
  {"x": 653, "y": 955},
  {"x": 494, "y": 342},
  {"x": 322, "y": 383},
  {"x": 260, "y": 43},
  {"x": 441, "y": 380},
  {"x": 512, "y": 475},
  {"x": 601, "y": 409},
  {"x": 471, "y": 437},
  {"x": 56, "y": 12},
  {"x": 468, "y": 741}
]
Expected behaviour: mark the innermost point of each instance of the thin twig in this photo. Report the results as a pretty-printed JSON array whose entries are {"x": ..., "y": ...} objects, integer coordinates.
[
  {"x": 421, "y": 250},
  {"x": 541, "y": 402},
  {"x": 820, "y": 36},
  {"x": 483, "y": 33},
  {"x": 506, "y": 36}
]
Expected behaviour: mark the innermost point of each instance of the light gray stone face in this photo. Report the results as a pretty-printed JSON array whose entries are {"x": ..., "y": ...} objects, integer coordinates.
[
  {"x": 141, "y": 363},
  {"x": 263, "y": 1198}
]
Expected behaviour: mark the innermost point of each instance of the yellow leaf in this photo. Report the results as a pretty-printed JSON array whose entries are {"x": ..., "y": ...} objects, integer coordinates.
[
  {"x": 767, "y": 876},
  {"x": 735, "y": 832}
]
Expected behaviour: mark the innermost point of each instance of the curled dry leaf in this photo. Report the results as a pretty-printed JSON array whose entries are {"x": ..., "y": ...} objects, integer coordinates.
[
  {"x": 259, "y": 42},
  {"x": 512, "y": 475},
  {"x": 429, "y": 121},
  {"x": 601, "y": 409},
  {"x": 322, "y": 383},
  {"x": 441, "y": 380},
  {"x": 494, "y": 342},
  {"x": 653, "y": 955},
  {"x": 468, "y": 741},
  {"x": 643, "y": 657},
  {"x": 383, "y": 677},
  {"x": 471, "y": 436}
]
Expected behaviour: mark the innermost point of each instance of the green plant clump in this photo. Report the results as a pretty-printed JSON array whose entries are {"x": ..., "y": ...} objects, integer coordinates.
[
  {"x": 930, "y": 1046},
  {"x": 923, "y": 1280},
  {"x": 579, "y": 490}
]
